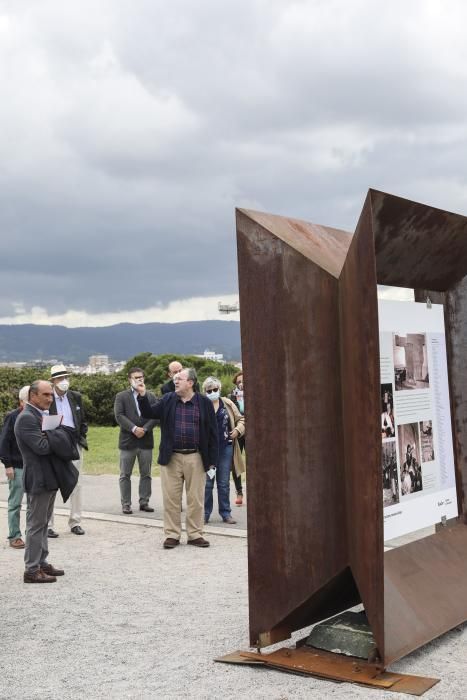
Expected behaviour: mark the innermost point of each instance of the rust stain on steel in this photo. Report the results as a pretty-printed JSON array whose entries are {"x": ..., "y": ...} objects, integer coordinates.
[
  {"x": 360, "y": 373},
  {"x": 325, "y": 246},
  {"x": 416, "y": 245},
  {"x": 290, "y": 340},
  {"x": 336, "y": 667},
  {"x": 311, "y": 365},
  {"x": 425, "y": 582}
]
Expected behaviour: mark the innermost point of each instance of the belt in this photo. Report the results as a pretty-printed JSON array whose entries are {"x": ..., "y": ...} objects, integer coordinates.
[{"x": 186, "y": 452}]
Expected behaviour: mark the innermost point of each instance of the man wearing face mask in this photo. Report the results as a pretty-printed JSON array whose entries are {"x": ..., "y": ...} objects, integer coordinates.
[
  {"x": 69, "y": 404},
  {"x": 135, "y": 441}
]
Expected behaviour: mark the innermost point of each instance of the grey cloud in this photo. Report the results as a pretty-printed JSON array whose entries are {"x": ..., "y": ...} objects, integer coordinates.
[{"x": 153, "y": 121}]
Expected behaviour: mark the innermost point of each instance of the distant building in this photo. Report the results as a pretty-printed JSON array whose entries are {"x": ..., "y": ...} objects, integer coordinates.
[
  {"x": 211, "y": 355},
  {"x": 99, "y": 364}
]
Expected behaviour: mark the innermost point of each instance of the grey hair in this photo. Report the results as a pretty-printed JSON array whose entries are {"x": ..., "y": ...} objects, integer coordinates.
[
  {"x": 190, "y": 374},
  {"x": 34, "y": 388},
  {"x": 210, "y": 381},
  {"x": 23, "y": 393}
]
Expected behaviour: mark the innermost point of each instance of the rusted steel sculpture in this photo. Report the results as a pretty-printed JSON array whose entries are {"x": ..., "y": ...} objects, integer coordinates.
[{"x": 310, "y": 343}]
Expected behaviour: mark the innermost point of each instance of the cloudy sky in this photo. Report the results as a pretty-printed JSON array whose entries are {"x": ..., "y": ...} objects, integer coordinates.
[{"x": 129, "y": 132}]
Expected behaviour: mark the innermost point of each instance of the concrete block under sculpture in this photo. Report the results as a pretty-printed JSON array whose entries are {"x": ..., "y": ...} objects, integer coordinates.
[{"x": 310, "y": 348}]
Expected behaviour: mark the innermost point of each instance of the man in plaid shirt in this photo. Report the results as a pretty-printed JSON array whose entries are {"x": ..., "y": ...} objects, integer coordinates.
[{"x": 188, "y": 449}]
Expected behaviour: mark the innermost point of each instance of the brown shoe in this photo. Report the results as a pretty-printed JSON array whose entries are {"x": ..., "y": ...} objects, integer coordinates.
[
  {"x": 37, "y": 577},
  {"x": 17, "y": 543},
  {"x": 199, "y": 542},
  {"x": 171, "y": 543},
  {"x": 50, "y": 570},
  {"x": 230, "y": 521}
]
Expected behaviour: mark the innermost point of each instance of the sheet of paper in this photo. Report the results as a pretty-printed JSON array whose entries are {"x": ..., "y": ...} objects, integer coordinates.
[
  {"x": 419, "y": 485},
  {"x": 51, "y": 422}
]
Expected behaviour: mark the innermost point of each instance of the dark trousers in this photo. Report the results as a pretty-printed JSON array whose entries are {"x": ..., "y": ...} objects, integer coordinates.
[{"x": 39, "y": 511}]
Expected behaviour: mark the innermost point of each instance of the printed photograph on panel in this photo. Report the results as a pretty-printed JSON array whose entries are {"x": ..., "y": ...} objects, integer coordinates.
[
  {"x": 409, "y": 458},
  {"x": 426, "y": 440},
  {"x": 390, "y": 478},
  {"x": 410, "y": 361},
  {"x": 387, "y": 412}
]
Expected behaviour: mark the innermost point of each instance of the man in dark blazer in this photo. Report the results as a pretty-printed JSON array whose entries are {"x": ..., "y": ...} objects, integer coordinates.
[
  {"x": 173, "y": 369},
  {"x": 188, "y": 449},
  {"x": 40, "y": 482},
  {"x": 69, "y": 404},
  {"x": 136, "y": 441}
]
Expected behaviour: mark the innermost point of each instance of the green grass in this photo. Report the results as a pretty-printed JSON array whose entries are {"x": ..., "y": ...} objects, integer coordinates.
[{"x": 103, "y": 456}]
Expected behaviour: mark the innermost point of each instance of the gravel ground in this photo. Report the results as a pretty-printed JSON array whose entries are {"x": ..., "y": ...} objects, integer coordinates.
[{"x": 131, "y": 620}]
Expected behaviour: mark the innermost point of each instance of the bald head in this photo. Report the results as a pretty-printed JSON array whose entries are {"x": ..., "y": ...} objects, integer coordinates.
[{"x": 174, "y": 368}]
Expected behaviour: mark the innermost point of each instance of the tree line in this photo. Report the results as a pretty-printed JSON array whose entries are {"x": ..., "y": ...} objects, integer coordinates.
[{"x": 98, "y": 390}]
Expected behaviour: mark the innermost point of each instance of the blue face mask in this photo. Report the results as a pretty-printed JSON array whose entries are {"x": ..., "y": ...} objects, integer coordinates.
[
  {"x": 241, "y": 405},
  {"x": 214, "y": 395}
]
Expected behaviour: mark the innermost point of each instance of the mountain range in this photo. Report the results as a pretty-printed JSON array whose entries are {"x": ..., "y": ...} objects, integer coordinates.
[{"x": 29, "y": 342}]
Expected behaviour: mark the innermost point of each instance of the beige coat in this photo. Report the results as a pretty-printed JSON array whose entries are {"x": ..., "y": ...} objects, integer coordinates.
[{"x": 236, "y": 421}]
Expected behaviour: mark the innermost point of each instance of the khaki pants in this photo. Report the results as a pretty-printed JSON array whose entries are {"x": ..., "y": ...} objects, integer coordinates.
[
  {"x": 76, "y": 498},
  {"x": 189, "y": 469}
]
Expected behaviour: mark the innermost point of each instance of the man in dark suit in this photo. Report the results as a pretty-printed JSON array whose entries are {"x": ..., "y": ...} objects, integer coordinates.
[
  {"x": 40, "y": 482},
  {"x": 13, "y": 461},
  {"x": 188, "y": 449},
  {"x": 173, "y": 369},
  {"x": 136, "y": 441},
  {"x": 69, "y": 404}
]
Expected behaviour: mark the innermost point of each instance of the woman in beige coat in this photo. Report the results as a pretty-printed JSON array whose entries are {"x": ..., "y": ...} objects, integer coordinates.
[{"x": 230, "y": 426}]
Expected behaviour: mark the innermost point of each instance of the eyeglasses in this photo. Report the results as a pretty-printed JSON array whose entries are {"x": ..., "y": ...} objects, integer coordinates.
[{"x": 210, "y": 391}]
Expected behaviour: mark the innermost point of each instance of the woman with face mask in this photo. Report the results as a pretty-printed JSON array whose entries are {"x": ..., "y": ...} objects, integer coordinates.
[{"x": 230, "y": 426}]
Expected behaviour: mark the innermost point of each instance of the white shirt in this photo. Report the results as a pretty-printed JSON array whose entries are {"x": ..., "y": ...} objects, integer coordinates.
[{"x": 64, "y": 408}]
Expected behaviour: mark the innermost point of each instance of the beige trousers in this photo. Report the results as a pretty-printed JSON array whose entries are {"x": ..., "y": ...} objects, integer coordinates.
[
  {"x": 76, "y": 498},
  {"x": 189, "y": 469}
]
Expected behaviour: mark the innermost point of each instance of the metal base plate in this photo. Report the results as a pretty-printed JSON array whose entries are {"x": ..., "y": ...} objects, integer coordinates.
[{"x": 335, "y": 667}]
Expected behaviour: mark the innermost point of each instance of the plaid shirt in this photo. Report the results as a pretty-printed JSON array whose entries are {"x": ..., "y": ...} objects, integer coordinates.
[{"x": 187, "y": 424}]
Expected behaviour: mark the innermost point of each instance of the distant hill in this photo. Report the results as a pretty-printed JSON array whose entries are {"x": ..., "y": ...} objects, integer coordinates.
[{"x": 30, "y": 342}]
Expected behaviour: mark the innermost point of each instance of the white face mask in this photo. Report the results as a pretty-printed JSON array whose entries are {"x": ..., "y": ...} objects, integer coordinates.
[
  {"x": 214, "y": 395},
  {"x": 63, "y": 385}
]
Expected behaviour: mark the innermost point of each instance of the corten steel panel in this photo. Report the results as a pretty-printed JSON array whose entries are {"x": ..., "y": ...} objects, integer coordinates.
[
  {"x": 416, "y": 245},
  {"x": 457, "y": 328},
  {"x": 290, "y": 350},
  {"x": 360, "y": 374},
  {"x": 425, "y": 590}
]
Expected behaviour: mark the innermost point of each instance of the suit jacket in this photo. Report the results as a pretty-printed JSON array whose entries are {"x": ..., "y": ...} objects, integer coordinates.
[
  {"x": 9, "y": 450},
  {"x": 127, "y": 417},
  {"x": 79, "y": 417},
  {"x": 46, "y": 466},
  {"x": 164, "y": 409}
]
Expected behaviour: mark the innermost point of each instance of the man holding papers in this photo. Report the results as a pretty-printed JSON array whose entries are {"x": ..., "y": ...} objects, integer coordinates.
[
  {"x": 69, "y": 405},
  {"x": 45, "y": 464}
]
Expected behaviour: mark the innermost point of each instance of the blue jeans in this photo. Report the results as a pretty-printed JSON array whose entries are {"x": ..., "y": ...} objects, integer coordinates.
[{"x": 223, "y": 485}]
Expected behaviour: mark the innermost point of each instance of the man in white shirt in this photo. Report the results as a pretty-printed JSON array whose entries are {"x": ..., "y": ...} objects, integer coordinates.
[{"x": 69, "y": 404}]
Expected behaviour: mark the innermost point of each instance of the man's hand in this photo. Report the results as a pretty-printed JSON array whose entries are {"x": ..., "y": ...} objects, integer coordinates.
[
  {"x": 139, "y": 432},
  {"x": 234, "y": 434},
  {"x": 141, "y": 388},
  {"x": 10, "y": 473}
]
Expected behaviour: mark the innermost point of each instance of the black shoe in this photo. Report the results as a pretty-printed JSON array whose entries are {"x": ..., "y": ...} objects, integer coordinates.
[
  {"x": 147, "y": 508},
  {"x": 51, "y": 533},
  {"x": 77, "y": 530},
  {"x": 171, "y": 543},
  {"x": 126, "y": 510}
]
